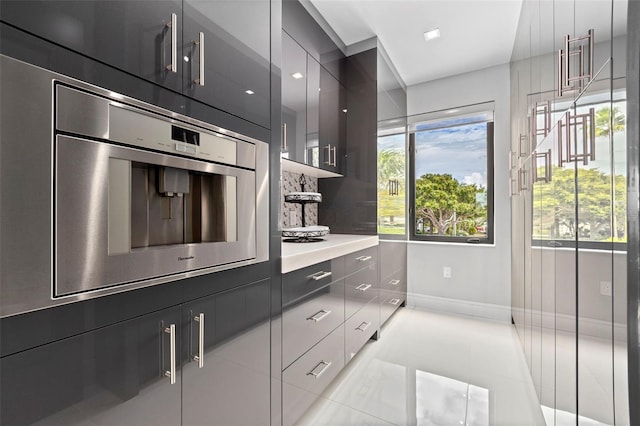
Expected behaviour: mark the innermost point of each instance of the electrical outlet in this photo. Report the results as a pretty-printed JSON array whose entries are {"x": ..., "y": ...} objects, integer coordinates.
[
  {"x": 293, "y": 218},
  {"x": 605, "y": 288},
  {"x": 446, "y": 272}
]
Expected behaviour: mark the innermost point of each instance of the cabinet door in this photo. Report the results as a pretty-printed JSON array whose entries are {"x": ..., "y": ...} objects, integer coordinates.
[
  {"x": 313, "y": 155},
  {"x": 112, "y": 376},
  {"x": 294, "y": 99},
  {"x": 226, "y": 358},
  {"x": 134, "y": 36},
  {"x": 226, "y": 56},
  {"x": 329, "y": 122}
]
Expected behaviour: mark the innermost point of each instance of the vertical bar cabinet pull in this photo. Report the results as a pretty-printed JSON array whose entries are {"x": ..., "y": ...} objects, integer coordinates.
[{"x": 200, "y": 357}]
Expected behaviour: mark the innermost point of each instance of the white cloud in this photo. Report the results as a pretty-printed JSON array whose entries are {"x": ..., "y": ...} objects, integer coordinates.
[{"x": 476, "y": 178}]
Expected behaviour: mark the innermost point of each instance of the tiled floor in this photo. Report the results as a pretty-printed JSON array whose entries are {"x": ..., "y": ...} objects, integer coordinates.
[{"x": 433, "y": 369}]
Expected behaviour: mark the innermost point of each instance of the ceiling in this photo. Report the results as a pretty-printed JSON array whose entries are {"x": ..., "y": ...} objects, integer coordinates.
[{"x": 475, "y": 34}]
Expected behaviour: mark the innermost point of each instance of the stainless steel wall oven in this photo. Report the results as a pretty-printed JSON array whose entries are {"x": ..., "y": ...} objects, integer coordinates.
[{"x": 102, "y": 193}]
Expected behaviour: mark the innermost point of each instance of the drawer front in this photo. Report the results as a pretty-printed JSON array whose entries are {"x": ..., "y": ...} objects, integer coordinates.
[
  {"x": 360, "y": 289},
  {"x": 391, "y": 300},
  {"x": 395, "y": 282},
  {"x": 353, "y": 262},
  {"x": 359, "y": 328},
  {"x": 297, "y": 284},
  {"x": 305, "y": 379},
  {"x": 307, "y": 322}
]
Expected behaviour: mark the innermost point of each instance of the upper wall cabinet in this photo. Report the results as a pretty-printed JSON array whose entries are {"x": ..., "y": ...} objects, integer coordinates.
[
  {"x": 136, "y": 36},
  {"x": 313, "y": 110},
  {"x": 294, "y": 99},
  {"x": 332, "y": 119},
  {"x": 226, "y": 56},
  {"x": 216, "y": 52}
]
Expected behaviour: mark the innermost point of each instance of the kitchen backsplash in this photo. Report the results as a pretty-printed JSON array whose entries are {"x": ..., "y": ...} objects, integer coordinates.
[{"x": 291, "y": 183}]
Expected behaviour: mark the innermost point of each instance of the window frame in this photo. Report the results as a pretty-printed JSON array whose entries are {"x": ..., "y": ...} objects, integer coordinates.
[{"x": 489, "y": 239}]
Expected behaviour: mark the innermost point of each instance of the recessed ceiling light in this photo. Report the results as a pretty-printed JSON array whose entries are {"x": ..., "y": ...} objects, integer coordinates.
[
  {"x": 344, "y": 110},
  {"x": 452, "y": 111},
  {"x": 432, "y": 34},
  {"x": 297, "y": 75},
  {"x": 249, "y": 92}
]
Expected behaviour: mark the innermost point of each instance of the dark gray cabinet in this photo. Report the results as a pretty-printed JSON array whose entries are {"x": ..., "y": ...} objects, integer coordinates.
[
  {"x": 393, "y": 277},
  {"x": 313, "y": 112},
  {"x": 160, "y": 41},
  {"x": 225, "y": 353},
  {"x": 330, "y": 311},
  {"x": 331, "y": 122},
  {"x": 134, "y": 36},
  {"x": 151, "y": 370},
  {"x": 294, "y": 99},
  {"x": 226, "y": 56},
  {"x": 312, "y": 156},
  {"x": 115, "y": 375}
]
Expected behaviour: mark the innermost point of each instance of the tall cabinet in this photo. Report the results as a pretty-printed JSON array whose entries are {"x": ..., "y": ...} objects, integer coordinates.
[{"x": 568, "y": 175}]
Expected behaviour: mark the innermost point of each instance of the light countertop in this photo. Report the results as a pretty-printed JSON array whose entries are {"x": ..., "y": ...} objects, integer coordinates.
[{"x": 300, "y": 255}]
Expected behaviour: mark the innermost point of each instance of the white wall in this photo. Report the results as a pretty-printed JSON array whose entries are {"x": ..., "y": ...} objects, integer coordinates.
[{"x": 480, "y": 279}]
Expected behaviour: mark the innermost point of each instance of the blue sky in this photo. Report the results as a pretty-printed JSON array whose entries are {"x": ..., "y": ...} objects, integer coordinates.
[{"x": 460, "y": 151}]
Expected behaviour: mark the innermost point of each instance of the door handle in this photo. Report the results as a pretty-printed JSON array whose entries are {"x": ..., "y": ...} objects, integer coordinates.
[
  {"x": 171, "y": 373},
  {"x": 173, "y": 27},
  {"x": 200, "y": 44},
  {"x": 200, "y": 357},
  {"x": 328, "y": 156},
  {"x": 363, "y": 258},
  {"x": 284, "y": 137}
]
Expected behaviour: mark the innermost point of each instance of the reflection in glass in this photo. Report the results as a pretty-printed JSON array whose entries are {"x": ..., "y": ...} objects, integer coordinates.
[{"x": 602, "y": 184}]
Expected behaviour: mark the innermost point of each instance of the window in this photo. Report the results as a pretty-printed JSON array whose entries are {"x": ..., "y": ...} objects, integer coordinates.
[
  {"x": 392, "y": 183},
  {"x": 451, "y": 175}
]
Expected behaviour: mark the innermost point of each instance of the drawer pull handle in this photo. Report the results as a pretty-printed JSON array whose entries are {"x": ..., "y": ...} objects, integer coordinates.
[
  {"x": 363, "y": 326},
  {"x": 320, "y": 275},
  {"x": 363, "y": 287},
  {"x": 394, "y": 282},
  {"x": 319, "y": 316},
  {"x": 363, "y": 258},
  {"x": 394, "y": 302},
  {"x": 319, "y": 369}
]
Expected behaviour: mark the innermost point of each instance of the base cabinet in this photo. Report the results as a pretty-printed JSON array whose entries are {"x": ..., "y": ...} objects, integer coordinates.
[
  {"x": 144, "y": 371},
  {"x": 305, "y": 379},
  {"x": 225, "y": 355},
  {"x": 112, "y": 376},
  {"x": 324, "y": 326},
  {"x": 393, "y": 277}
]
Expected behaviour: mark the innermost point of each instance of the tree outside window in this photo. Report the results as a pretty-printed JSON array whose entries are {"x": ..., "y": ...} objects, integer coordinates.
[{"x": 452, "y": 178}]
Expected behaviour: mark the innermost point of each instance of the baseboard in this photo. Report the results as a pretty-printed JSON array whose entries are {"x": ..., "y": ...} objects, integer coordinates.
[{"x": 460, "y": 307}]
